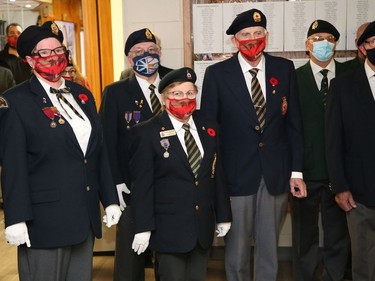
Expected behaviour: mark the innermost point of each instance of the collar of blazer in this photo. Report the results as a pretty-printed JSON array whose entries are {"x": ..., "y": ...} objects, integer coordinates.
[{"x": 175, "y": 145}]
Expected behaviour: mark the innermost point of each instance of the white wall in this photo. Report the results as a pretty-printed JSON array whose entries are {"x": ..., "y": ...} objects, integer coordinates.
[{"x": 162, "y": 17}]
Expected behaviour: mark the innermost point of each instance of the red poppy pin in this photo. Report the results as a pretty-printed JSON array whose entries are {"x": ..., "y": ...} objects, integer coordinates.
[
  {"x": 211, "y": 132},
  {"x": 83, "y": 98},
  {"x": 274, "y": 82}
]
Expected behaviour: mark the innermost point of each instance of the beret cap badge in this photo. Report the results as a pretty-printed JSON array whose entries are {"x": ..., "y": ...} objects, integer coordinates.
[
  {"x": 257, "y": 17},
  {"x": 148, "y": 34},
  {"x": 54, "y": 28},
  {"x": 188, "y": 75},
  {"x": 315, "y": 25}
]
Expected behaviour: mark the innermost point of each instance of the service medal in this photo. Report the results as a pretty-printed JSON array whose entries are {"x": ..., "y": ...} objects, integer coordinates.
[{"x": 165, "y": 144}]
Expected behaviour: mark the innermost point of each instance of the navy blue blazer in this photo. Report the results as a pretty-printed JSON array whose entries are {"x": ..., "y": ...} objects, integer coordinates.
[
  {"x": 47, "y": 181},
  {"x": 180, "y": 210},
  {"x": 118, "y": 98},
  {"x": 249, "y": 154},
  {"x": 350, "y": 136}
]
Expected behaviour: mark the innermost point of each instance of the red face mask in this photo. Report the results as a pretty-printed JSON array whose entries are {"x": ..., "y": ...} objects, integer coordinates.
[
  {"x": 12, "y": 41},
  {"x": 182, "y": 108},
  {"x": 50, "y": 68},
  {"x": 251, "y": 49}
]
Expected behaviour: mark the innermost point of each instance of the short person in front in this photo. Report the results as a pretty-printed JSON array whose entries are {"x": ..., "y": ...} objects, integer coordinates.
[
  {"x": 55, "y": 170},
  {"x": 178, "y": 189}
]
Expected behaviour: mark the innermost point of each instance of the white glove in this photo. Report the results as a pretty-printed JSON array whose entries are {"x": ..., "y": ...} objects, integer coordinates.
[
  {"x": 140, "y": 242},
  {"x": 120, "y": 189},
  {"x": 16, "y": 234},
  {"x": 112, "y": 215},
  {"x": 223, "y": 228}
]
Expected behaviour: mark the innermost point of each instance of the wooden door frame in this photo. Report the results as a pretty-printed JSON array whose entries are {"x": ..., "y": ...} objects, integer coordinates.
[{"x": 98, "y": 45}]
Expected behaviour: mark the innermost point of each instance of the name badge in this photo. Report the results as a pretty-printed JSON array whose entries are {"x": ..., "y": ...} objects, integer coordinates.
[{"x": 165, "y": 134}]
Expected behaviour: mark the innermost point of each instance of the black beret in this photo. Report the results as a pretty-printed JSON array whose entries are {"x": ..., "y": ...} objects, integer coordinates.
[
  {"x": 249, "y": 18},
  {"x": 322, "y": 26},
  {"x": 139, "y": 36},
  {"x": 33, "y": 34},
  {"x": 185, "y": 74},
  {"x": 369, "y": 32}
]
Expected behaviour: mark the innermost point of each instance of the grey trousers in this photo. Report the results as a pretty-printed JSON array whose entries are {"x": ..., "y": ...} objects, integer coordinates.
[
  {"x": 70, "y": 263},
  {"x": 361, "y": 224},
  {"x": 256, "y": 218}
]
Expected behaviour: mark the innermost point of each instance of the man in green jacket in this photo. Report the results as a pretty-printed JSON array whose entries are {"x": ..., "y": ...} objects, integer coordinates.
[{"x": 313, "y": 82}]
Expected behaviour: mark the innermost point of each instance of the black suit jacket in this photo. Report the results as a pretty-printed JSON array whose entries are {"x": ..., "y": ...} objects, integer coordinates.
[
  {"x": 312, "y": 109},
  {"x": 118, "y": 98},
  {"x": 350, "y": 131},
  {"x": 166, "y": 198},
  {"x": 47, "y": 181},
  {"x": 249, "y": 154}
]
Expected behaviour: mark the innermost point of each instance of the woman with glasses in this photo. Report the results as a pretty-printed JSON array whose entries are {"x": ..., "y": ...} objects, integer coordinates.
[
  {"x": 72, "y": 73},
  {"x": 178, "y": 189},
  {"x": 55, "y": 170}
]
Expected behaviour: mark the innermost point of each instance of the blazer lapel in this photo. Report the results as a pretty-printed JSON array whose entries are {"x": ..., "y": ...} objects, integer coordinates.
[
  {"x": 175, "y": 144},
  {"x": 364, "y": 94},
  {"x": 91, "y": 114},
  {"x": 235, "y": 78},
  {"x": 139, "y": 99}
]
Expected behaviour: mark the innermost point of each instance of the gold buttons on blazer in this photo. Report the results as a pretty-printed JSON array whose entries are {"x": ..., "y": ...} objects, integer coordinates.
[
  {"x": 87, "y": 188},
  {"x": 257, "y": 128},
  {"x": 261, "y": 144},
  {"x": 196, "y": 207},
  {"x": 85, "y": 161}
]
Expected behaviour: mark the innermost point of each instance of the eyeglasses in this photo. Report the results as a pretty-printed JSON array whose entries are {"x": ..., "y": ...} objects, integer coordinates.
[
  {"x": 70, "y": 72},
  {"x": 47, "y": 52},
  {"x": 179, "y": 95},
  {"x": 140, "y": 52},
  {"x": 371, "y": 42},
  {"x": 318, "y": 38}
]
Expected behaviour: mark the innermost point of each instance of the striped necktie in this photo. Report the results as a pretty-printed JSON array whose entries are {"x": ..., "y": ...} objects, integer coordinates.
[
  {"x": 258, "y": 99},
  {"x": 155, "y": 103},
  {"x": 324, "y": 85},
  {"x": 194, "y": 155},
  {"x": 60, "y": 97}
]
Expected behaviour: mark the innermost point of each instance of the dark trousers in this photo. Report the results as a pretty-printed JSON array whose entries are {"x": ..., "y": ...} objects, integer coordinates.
[
  {"x": 361, "y": 222},
  {"x": 70, "y": 263},
  {"x": 191, "y": 266},
  {"x": 128, "y": 265},
  {"x": 305, "y": 233}
]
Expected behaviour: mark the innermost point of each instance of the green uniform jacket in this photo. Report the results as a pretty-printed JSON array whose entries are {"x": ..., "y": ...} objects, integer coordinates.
[{"x": 312, "y": 108}]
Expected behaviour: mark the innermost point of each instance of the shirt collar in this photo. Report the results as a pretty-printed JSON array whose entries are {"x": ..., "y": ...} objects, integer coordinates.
[
  {"x": 144, "y": 84},
  {"x": 47, "y": 86},
  {"x": 316, "y": 68},
  {"x": 177, "y": 125},
  {"x": 369, "y": 72},
  {"x": 245, "y": 66}
]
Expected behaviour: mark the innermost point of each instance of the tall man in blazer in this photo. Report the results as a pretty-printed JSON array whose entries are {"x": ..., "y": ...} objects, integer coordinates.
[
  {"x": 253, "y": 96},
  {"x": 178, "y": 188},
  {"x": 55, "y": 167},
  {"x": 126, "y": 103},
  {"x": 350, "y": 139},
  {"x": 313, "y": 82}
]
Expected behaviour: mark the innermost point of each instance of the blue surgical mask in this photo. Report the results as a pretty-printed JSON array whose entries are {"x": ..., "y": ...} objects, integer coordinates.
[
  {"x": 146, "y": 64},
  {"x": 323, "y": 50}
]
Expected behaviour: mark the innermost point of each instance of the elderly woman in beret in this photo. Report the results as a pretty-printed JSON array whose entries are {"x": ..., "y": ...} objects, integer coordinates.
[
  {"x": 55, "y": 170},
  {"x": 178, "y": 188}
]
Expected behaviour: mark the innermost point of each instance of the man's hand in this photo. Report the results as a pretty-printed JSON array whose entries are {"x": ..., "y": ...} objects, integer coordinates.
[
  {"x": 120, "y": 189},
  {"x": 298, "y": 187},
  {"x": 140, "y": 242},
  {"x": 112, "y": 215},
  {"x": 223, "y": 228},
  {"x": 345, "y": 201},
  {"x": 17, "y": 234}
]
